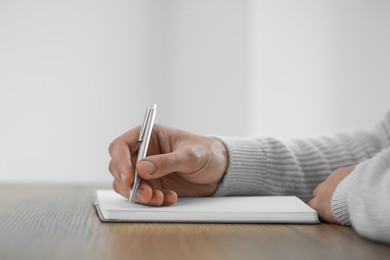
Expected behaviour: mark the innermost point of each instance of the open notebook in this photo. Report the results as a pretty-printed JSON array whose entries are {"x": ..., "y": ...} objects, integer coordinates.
[{"x": 111, "y": 207}]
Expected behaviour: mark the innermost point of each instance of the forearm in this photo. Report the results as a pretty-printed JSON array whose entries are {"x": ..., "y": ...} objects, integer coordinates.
[
  {"x": 267, "y": 166},
  {"x": 363, "y": 199}
]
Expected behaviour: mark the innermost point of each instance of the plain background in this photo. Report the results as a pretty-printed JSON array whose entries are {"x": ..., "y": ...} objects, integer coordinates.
[{"x": 76, "y": 74}]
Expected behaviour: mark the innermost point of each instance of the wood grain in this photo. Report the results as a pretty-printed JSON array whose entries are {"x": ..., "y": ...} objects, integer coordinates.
[{"x": 59, "y": 222}]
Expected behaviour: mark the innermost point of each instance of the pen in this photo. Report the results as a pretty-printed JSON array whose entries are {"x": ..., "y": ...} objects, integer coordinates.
[{"x": 144, "y": 138}]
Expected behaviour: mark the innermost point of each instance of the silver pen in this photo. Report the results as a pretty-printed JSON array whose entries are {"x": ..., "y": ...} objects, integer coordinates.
[{"x": 144, "y": 137}]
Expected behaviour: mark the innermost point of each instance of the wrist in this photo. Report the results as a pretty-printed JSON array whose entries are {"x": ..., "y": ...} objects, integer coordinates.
[{"x": 215, "y": 165}]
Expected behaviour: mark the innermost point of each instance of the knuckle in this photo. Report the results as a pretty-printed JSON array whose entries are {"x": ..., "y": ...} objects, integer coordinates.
[
  {"x": 167, "y": 162},
  {"x": 111, "y": 167},
  {"x": 191, "y": 153},
  {"x": 112, "y": 146},
  {"x": 196, "y": 156}
]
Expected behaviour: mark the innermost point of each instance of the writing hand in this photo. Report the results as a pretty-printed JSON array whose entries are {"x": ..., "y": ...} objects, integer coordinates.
[{"x": 178, "y": 163}]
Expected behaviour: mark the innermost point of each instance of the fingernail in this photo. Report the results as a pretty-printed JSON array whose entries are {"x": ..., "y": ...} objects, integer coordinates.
[
  {"x": 123, "y": 177},
  {"x": 147, "y": 166}
]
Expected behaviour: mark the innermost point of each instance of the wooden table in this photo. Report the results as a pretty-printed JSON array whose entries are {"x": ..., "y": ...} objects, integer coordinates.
[{"x": 59, "y": 222}]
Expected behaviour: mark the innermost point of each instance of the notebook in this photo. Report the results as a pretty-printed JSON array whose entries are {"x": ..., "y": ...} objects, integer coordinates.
[{"x": 112, "y": 207}]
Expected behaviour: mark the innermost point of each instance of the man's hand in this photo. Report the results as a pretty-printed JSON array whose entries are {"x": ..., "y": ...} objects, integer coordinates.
[
  {"x": 322, "y": 194},
  {"x": 178, "y": 164}
]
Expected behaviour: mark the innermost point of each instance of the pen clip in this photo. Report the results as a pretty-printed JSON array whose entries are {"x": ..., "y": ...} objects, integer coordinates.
[{"x": 143, "y": 128}]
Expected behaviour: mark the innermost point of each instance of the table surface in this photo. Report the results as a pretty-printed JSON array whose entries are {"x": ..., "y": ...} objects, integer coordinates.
[{"x": 60, "y": 222}]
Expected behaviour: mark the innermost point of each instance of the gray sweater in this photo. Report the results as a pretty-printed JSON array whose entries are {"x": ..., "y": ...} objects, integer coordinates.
[{"x": 267, "y": 166}]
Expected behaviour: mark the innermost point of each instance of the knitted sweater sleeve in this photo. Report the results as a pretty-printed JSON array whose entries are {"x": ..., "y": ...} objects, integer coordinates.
[
  {"x": 268, "y": 166},
  {"x": 362, "y": 199}
]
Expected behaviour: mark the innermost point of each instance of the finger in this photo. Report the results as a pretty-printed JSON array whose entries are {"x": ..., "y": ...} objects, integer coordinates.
[
  {"x": 170, "y": 197},
  {"x": 163, "y": 197},
  {"x": 120, "y": 165},
  {"x": 126, "y": 179},
  {"x": 312, "y": 203},
  {"x": 146, "y": 195},
  {"x": 155, "y": 198},
  {"x": 157, "y": 166},
  {"x": 112, "y": 167},
  {"x": 120, "y": 189},
  {"x": 128, "y": 141},
  {"x": 317, "y": 189},
  {"x": 112, "y": 170}
]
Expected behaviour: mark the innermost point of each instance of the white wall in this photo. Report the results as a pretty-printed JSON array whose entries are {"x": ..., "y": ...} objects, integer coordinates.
[
  {"x": 318, "y": 66},
  {"x": 203, "y": 72},
  {"x": 75, "y": 74}
]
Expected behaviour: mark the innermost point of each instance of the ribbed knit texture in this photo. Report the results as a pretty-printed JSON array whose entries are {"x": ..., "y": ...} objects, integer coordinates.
[
  {"x": 267, "y": 166},
  {"x": 362, "y": 199}
]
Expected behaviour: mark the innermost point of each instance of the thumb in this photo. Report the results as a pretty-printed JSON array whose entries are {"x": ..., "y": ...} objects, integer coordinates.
[{"x": 157, "y": 166}]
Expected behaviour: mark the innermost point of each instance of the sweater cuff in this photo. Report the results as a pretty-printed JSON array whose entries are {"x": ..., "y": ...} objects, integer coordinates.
[
  {"x": 339, "y": 200},
  {"x": 246, "y": 168}
]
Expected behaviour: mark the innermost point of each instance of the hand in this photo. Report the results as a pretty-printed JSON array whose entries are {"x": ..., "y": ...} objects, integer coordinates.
[
  {"x": 322, "y": 194},
  {"x": 178, "y": 164}
]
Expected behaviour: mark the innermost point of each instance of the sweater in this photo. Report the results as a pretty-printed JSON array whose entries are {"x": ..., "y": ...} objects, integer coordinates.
[{"x": 268, "y": 166}]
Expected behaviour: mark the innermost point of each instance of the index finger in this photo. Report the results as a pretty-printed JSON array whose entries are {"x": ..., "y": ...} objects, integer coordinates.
[
  {"x": 120, "y": 152},
  {"x": 124, "y": 144}
]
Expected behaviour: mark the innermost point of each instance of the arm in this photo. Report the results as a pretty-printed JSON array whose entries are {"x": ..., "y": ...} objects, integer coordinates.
[
  {"x": 362, "y": 199},
  {"x": 267, "y": 166},
  {"x": 180, "y": 163}
]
